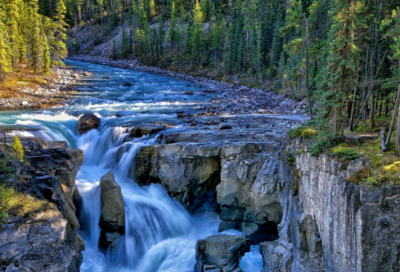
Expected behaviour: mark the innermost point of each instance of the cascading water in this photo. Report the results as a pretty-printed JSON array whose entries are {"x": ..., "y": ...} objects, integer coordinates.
[{"x": 160, "y": 235}]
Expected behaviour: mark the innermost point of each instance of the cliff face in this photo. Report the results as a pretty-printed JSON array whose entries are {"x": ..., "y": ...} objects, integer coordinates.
[
  {"x": 48, "y": 239},
  {"x": 303, "y": 209},
  {"x": 333, "y": 224}
]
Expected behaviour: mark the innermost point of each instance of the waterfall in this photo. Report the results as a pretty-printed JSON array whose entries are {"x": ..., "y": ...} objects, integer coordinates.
[{"x": 160, "y": 235}]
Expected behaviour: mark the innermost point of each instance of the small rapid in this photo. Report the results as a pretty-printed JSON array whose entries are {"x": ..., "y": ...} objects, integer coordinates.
[{"x": 160, "y": 235}]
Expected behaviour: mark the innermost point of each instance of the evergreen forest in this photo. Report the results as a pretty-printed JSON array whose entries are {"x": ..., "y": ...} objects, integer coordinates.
[{"x": 342, "y": 56}]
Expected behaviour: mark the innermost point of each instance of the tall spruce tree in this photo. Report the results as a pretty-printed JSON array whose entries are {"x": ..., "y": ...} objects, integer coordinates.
[
  {"x": 341, "y": 62},
  {"x": 58, "y": 48}
]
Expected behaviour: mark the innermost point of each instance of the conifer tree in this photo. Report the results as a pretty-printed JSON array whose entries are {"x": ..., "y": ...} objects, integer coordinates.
[
  {"x": 13, "y": 16},
  {"x": 5, "y": 60},
  {"x": 341, "y": 62},
  {"x": 196, "y": 35},
  {"x": 123, "y": 45},
  {"x": 46, "y": 54},
  {"x": 58, "y": 49},
  {"x": 172, "y": 31}
]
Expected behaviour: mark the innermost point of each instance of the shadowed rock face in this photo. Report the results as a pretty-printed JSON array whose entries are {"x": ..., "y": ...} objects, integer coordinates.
[
  {"x": 331, "y": 224},
  {"x": 47, "y": 240},
  {"x": 87, "y": 122},
  {"x": 221, "y": 253},
  {"x": 112, "y": 219}
]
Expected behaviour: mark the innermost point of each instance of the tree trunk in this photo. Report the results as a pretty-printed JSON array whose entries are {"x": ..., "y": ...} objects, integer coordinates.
[
  {"x": 397, "y": 141},
  {"x": 353, "y": 102},
  {"x": 372, "y": 111},
  {"x": 396, "y": 106},
  {"x": 307, "y": 81}
]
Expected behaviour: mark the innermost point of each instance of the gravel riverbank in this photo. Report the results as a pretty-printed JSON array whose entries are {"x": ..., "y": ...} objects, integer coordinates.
[{"x": 31, "y": 93}]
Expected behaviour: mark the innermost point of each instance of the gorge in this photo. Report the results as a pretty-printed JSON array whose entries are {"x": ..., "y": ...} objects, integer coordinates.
[{"x": 153, "y": 191}]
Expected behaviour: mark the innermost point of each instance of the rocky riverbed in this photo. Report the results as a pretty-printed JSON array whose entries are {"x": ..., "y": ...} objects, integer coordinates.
[{"x": 230, "y": 98}]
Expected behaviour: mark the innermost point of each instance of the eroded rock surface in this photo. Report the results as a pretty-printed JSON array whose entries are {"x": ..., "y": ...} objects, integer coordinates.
[{"x": 220, "y": 253}]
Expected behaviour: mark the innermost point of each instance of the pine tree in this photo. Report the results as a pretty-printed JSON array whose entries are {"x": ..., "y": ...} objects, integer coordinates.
[
  {"x": 5, "y": 59},
  {"x": 13, "y": 16},
  {"x": 172, "y": 31},
  {"x": 46, "y": 54},
  {"x": 123, "y": 45},
  {"x": 196, "y": 35},
  {"x": 58, "y": 49},
  {"x": 160, "y": 36},
  {"x": 341, "y": 62}
]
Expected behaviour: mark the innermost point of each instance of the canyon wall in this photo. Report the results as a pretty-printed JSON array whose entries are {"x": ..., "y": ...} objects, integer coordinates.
[{"x": 302, "y": 210}]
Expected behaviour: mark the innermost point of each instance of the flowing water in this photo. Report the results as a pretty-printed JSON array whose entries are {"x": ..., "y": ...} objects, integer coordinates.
[{"x": 160, "y": 235}]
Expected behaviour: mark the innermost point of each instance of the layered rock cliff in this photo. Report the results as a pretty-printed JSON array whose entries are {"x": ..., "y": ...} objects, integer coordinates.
[
  {"x": 304, "y": 211},
  {"x": 46, "y": 239},
  {"x": 332, "y": 224}
]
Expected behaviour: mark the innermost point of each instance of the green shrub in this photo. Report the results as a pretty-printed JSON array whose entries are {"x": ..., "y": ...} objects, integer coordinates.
[
  {"x": 304, "y": 132},
  {"x": 308, "y": 133},
  {"x": 5, "y": 198},
  {"x": 346, "y": 153},
  {"x": 295, "y": 132},
  {"x": 323, "y": 142}
]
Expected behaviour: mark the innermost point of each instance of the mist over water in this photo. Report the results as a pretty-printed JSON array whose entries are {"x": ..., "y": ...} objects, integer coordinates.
[{"x": 160, "y": 235}]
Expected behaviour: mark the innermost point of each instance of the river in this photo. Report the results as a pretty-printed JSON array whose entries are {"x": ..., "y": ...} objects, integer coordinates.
[{"x": 160, "y": 234}]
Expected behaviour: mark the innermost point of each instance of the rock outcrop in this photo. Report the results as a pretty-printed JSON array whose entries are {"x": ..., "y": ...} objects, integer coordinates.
[
  {"x": 37, "y": 245},
  {"x": 237, "y": 173},
  {"x": 112, "y": 219},
  {"x": 334, "y": 224},
  {"x": 87, "y": 122},
  {"x": 47, "y": 240},
  {"x": 307, "y": 213},
  {"x": 220, "y": 253}
]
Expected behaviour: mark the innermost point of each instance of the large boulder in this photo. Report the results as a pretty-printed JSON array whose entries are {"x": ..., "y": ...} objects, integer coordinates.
[
  {"x": 141, "y": 130},
  {"x": 87, "y": 122},
  {"x": 112, "y": 219},
  {"x": 220, "y": 253}
]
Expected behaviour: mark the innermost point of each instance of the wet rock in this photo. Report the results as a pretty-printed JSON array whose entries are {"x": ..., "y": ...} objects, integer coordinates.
[
  {"x": 225, "y": 126},
  {"x": 180, "y": 115},
  {"x": 87, "y": 74},
  {"x": 127, "y": 84},
  {"x": 220, "y": 252},
  {"x": 146, "y": 129},
  {"x": 112, "y": 219},
  {"x": 189, "y": 92},
  {"x": 87, "y": 122},
  {"x": 106, "y": 77},
  {"x": 112, "y": 204}
]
